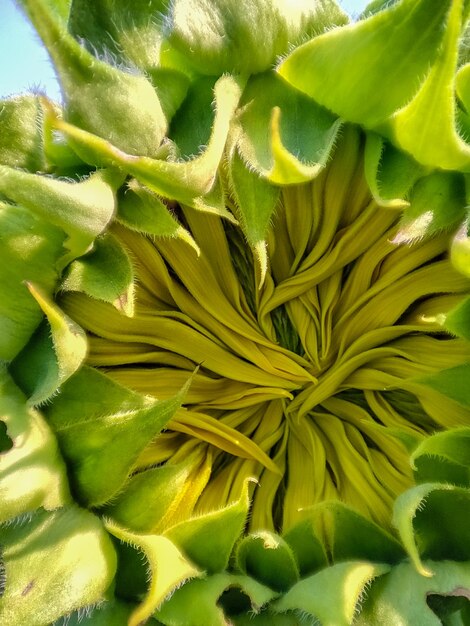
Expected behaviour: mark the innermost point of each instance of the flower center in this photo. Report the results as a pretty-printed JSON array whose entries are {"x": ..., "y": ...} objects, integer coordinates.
[{"x": 308, "y": 381}]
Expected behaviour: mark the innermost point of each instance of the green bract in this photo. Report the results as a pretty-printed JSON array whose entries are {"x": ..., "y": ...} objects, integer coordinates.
[{"x": 235, "y": 317}]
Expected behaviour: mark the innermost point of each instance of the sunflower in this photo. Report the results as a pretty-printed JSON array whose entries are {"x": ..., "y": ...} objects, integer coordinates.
[
  {"x": 302, "y": 375},
  {"x": 236, "y": 301}
]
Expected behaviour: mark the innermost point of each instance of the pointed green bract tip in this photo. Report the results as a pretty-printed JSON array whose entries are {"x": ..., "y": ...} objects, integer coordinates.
[{"x": 117, "y": 104}]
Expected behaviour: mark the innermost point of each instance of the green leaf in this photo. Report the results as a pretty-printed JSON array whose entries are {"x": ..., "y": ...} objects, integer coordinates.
[
  {"x": 401, "y": 596},
  {"x": 107, "y": 30},
  {"x": 26, "y": 140},
  {"x": 21, "y": 141},
  {"x": 432, "y": 522},
  {"x": 375, "y": 6},
  {"x": 333, "y": 594},
  {"x": 168, "y": 569},
  {"x": 201, "y": 602},
  {"x": 153, "y": 498},
  {"x": 32, "y": 472},
  {"x": 217, "y": 37},
  {"x": 105, "y": 274},
  {"x": 457, "y": 321},
  {"x": 83, "y": 210},
  {"x": 208, "y": 540},
  {"x": 64, "y": 161},
  {"x": 61, "y": 8},
  {"x": 360, "y": 71},
  {"x": 171, "y": 86},
  {"x": 256, "y": 200},
  {"x": 187, "y": 182},
  {"x": 55, "y": 563},
  {"x": 54, "y": 353},
  {"x": 143, "y": 211},
  {"x": 188, "y": 136},
  {"x": 307, "y": 548},
  {"x": 444, "y": 457},
  {"x": 120, "y": 106},
  {"x": 352, "y": 536},
  {"x": 266, "y": 557},
  {"x": 30, "y": 249},
  {"x": 426, "y": 126},
  {"x": 102, "y": 428},
  {"x": 275, "y": 133},
  {"x": 390, "y": 173},
  {"x": 437, "y": 202},
  {"x": 451, "y": 382}
]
